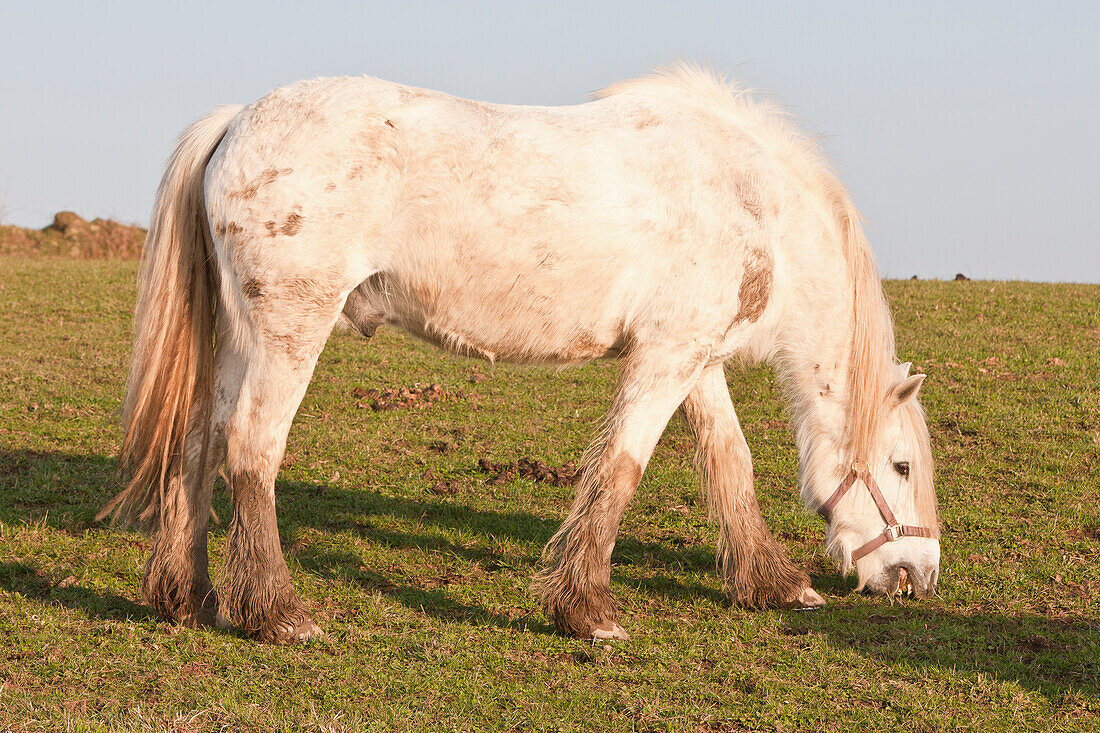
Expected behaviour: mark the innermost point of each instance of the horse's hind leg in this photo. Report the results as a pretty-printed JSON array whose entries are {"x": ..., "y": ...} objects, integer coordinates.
[
  {"x": 176, "y": 579},
  {"x": 756, "y": 572},
  {"x": 286, "y": 336},
  {"x": 574, "y": 586}
]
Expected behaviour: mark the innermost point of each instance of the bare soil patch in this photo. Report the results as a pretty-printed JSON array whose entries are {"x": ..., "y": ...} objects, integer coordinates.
[
  {"x": 566, "y": 474},
  {"x": 69, "y": 235},
  {"x": 402, "y": 398}
]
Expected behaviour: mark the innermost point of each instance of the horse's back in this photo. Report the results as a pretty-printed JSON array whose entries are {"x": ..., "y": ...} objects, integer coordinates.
[{"x": 530, "y": 234}]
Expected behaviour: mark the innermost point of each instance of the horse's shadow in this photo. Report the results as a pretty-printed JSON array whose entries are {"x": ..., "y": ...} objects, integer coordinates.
[
  {"x": 365, "y": 514},
  {"x": 1047, "y": 654},
  {"x": 435, "y": 602},
  {"x": 1053, "y": 656},
  {"x": 31, "y": 582}
]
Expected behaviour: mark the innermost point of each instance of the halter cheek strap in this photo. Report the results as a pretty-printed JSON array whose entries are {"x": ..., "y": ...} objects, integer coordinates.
[{"x": 893, "y": 532}]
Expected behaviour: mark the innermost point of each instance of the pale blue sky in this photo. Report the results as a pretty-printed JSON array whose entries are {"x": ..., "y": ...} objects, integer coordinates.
[{"x": 967, "y": 132}]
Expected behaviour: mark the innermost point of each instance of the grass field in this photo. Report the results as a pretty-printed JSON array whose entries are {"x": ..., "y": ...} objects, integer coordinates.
[{"x": 418, "y": 567}]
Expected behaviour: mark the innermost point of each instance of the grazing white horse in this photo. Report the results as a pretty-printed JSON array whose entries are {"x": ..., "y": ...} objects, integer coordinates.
[{"x": 673, "y": 223}]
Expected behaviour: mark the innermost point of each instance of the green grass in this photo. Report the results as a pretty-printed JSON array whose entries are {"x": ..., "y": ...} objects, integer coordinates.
[{"x": 425, "y": 598}]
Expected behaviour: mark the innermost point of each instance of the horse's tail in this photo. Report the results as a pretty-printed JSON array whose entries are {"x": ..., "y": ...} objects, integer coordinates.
[{"x": 168, "y": 392}]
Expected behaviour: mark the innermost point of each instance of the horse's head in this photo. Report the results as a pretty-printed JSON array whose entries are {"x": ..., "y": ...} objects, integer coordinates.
[{"x": 882, "y": 516}]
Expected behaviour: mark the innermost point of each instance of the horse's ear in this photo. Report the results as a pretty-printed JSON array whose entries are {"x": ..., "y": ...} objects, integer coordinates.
[
  {"x": 903, "y": 369},
  {"x": 906, "y": 389}
]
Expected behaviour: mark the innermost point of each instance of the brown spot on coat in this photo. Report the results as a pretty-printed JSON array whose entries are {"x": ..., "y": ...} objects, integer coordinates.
[
  {"x": 292, "y": 224},
  {"x": 272, "y": 228},
  {"x": 756, "y": 285},
  {"x": 390, "y": 124},
  {"x": 330, "y": 187},
  {"x": 626, "y": 473},
  {"x": 253, "y": 289},
  {"x": 233, "y": 228},
  {"x": 313, "y": 297},
  {"x": 266, "y": 178},
  {"x": 752, "y": 206}
]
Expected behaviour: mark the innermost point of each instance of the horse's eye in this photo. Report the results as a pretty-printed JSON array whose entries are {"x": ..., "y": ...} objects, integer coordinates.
[{"x": 902, "y": 467}]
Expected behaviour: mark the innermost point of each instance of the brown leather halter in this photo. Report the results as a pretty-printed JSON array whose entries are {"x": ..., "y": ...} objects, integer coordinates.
[{"x": 893, "y": 532}]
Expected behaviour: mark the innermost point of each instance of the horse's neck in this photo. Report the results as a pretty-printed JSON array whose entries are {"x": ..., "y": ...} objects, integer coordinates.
[{"x": 815, "y": 360}]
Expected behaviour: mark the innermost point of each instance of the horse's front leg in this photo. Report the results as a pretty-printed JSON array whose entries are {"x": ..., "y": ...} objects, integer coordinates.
[
  {"x": 756, "y": 572},
  {"x": 574, "y": 584}
]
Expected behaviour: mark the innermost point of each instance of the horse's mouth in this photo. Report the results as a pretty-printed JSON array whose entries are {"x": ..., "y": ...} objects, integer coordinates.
[
  {"x": 902, "y": 581},
  {"x": 905, "y": 585}
]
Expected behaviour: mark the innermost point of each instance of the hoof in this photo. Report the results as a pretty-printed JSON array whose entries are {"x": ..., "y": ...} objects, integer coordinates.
[
  {"x": 614, "y": 631},
  {"x": 205, "y": 617},
  {"x": 294, "y": 633},
  {"x": 809, "y": 600},
  {"x": 221, "y": 621}
]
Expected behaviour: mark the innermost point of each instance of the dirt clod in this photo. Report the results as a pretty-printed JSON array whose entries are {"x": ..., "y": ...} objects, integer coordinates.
[
  {"x": 566, "y": 474},
  {"x": 417, "y": 396},
  {"x": 445, "y": 488}
]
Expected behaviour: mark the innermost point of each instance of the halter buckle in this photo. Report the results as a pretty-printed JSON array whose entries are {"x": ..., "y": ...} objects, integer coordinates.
[{"x": 893, "y": 533}]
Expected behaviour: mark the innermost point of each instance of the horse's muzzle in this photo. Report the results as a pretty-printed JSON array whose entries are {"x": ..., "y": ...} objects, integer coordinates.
[{"x": 904, "y": 579}]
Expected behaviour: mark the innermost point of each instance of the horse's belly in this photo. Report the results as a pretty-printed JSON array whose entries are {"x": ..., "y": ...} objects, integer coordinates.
[{"x": 521, "y": 324}]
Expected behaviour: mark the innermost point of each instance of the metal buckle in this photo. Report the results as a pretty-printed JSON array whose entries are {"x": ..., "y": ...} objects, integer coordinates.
[{"x": 893, "y": 533}]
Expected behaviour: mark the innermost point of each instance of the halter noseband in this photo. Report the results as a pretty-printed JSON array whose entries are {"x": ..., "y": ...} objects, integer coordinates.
[{"x": 893, "y": 532}]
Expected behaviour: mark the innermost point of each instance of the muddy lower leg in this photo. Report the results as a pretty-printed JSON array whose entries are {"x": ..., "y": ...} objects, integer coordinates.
[
  {"x": 575, "y": 590},
  {"x": 176, "y": 582},
  {"x": 756, "y": 571},
  {"x": 258, "y": 595},
  {"x": 574, "y": 585}
]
